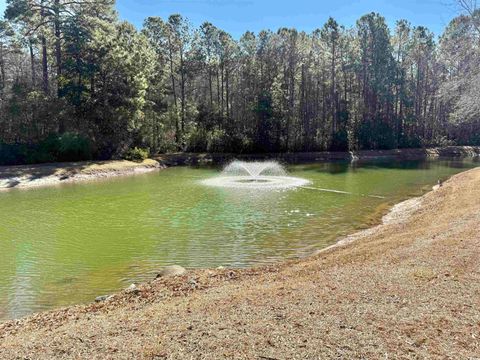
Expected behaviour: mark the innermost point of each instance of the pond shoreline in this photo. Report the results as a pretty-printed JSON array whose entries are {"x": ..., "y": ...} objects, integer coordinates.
[
  {"x": 41, "y": 175},
  {"x": 364, "y": 155},
  {"x": 407, "y": 287},
  {"x": 44, "y": 175}
]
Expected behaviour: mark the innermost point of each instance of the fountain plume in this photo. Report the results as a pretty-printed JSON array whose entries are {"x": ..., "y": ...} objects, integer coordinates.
[
  {"x": 254, "y": 169},
  {"x": 255, "y": 175}
]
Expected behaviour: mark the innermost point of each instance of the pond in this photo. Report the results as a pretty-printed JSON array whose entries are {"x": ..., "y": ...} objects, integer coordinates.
[{"x": 69, "y": 244}]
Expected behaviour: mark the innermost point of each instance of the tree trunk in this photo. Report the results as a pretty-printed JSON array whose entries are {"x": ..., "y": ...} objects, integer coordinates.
[
  {"x": 45, "y": 65},
  {"x": 218, "y": 88},
  {"x": 58, "y": 49},
  {"x": 210, "y": 86},
  {"x": 32, "y": 64},
  {"x": 227, "y": 91},
  {"x": 2, "y": 71},
  {"x": 223, "y": 90},
  {"x": 332, "y": 95},
  {"x": 44, "y": 54},
  {"x": 174, "y": 91},
  {"x": 182, "y": 88}
]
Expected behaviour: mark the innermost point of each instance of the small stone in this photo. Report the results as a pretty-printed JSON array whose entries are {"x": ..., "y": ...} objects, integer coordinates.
[
  {"x": 173, "y": 270},
  {"x": 132, "y": 289},
  {"x": 101, "y": 298},
  {"x": 221, "y": 268}
]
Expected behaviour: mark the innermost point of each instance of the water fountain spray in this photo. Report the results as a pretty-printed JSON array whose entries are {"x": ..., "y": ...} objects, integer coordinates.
[{"x": 266, "y": 175}]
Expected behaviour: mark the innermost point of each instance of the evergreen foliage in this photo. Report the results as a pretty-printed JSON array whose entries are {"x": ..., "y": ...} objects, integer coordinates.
[{"x": 77, "y": 83}]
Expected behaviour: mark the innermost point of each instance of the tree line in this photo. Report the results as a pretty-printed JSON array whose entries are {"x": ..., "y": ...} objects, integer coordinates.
[{"x": 75, "y": 82}]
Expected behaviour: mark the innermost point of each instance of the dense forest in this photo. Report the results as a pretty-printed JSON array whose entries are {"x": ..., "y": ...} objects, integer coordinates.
[{"x": 77, "y": 83}]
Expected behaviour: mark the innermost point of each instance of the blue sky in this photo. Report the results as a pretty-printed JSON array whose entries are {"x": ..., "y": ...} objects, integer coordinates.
[{"x": 238, "y": 16}]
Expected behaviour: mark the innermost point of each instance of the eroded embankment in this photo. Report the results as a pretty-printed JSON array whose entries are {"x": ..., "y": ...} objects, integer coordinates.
[
  {"x": 407, "y": 289},
  {"x": 31, "y": 176}
]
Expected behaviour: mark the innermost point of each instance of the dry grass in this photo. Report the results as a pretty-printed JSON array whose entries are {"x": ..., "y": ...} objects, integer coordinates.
[
  {"x": 116, "y": 165},
  {"x": 408, "y": 289}
]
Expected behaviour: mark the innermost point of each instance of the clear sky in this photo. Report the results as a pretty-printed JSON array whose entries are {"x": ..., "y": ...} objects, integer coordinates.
[{"x": 238, "y": 16}]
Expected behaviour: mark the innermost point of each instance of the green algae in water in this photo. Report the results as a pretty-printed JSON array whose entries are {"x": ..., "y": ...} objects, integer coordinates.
[{"x": 68, "y": 244}]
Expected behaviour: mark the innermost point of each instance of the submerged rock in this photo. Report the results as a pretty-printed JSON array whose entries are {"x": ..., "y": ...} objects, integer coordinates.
[
  {"x": 173, "y": 270},
  {"x": 101, "y": 298},
  {"x": 104, "y": 298}
]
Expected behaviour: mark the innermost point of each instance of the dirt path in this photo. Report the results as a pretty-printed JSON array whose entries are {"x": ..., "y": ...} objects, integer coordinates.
[{"x": 407, "y": 289}]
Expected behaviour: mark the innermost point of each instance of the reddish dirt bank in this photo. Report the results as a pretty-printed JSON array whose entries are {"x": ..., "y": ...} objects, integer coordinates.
[{"x": 407, "y": 289}]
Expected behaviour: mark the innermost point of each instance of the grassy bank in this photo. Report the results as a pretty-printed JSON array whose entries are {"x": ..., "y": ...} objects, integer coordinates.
[{"x": 407, "y": 289}]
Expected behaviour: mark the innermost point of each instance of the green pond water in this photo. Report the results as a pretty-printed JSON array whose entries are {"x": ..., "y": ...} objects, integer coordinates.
[{"x": 68, "y": 244}]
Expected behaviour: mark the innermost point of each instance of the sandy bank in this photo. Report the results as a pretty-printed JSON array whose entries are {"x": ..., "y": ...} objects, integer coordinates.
[
  {"x": 29, "y": 176},
  {"x": 409, "y": 288}
]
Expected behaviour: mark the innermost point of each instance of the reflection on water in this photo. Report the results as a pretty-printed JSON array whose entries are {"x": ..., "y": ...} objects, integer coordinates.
[{"x": 69, "y": 244}]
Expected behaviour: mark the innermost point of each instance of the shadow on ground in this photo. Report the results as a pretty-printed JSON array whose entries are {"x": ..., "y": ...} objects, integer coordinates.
[{"x": 13, "y": 176}]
